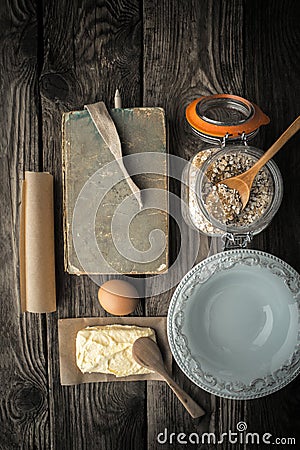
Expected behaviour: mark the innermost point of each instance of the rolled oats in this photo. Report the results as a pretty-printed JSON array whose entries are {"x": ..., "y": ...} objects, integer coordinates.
[{"x": 222, "y": 203}]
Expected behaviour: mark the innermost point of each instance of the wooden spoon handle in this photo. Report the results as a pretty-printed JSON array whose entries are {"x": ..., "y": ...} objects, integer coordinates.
[
  {"x": 286, "y": 135},
  {"x": 190, "y": 405}
]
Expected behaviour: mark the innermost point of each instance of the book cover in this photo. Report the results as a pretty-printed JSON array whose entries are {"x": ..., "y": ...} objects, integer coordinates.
[{"x": 128, "y": 240}]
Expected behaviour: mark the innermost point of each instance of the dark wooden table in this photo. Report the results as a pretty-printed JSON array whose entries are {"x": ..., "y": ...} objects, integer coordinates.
[{"x": 58, "y": 55}]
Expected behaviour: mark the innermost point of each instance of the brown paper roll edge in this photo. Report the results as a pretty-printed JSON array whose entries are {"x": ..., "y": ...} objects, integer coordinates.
[
  {"x": 22, "y": 250},
  {"x": 37, "y": 293}
]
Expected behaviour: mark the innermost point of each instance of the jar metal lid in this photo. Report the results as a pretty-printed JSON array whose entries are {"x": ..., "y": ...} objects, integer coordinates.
[{"x": 215, "y": 116}]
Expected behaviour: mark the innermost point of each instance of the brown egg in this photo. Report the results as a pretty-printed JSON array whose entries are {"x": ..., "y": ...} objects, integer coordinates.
[{"x": 118, "y": 297}]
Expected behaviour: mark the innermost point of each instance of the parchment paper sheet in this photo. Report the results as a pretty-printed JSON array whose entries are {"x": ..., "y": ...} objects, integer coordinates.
[
  {"x": 37, "y": 262},
  {"x": 67, "y": 331}
]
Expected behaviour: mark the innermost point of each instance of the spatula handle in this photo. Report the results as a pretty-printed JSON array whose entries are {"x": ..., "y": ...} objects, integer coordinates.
[
  {"x": 190, "y": 405},
  {"x": 286, "y": 135},
  {"x": 107, "y": 129}
]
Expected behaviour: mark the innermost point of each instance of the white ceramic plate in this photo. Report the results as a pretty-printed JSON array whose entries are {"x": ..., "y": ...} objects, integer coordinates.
[{"x": 233, "y": 324}]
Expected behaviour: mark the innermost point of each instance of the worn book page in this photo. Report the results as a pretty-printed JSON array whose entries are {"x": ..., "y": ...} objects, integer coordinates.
[{"x": 104, "y": 229}]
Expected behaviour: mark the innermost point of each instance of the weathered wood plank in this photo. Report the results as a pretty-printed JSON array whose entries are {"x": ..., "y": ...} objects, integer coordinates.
[
  {"x": 272, "y": 34},
  {"x": 24, "y": 419},
  {"x": 90, "y": 48},
  {"x": 192, "y": 62},
  {"x": 200, "y": 48}
]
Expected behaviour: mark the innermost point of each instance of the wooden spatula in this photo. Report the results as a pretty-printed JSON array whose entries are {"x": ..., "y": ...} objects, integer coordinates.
[
  {"x": 108, "y": 131},
  {"x": 147, "y": 353},
  {"x": 243, "y": 182}
]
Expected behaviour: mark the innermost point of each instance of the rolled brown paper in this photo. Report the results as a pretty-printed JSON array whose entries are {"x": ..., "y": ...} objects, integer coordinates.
[{"x": 37, "y": 262}]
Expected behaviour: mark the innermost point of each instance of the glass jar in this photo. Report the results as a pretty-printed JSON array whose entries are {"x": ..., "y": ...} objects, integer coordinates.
[{"x": 230, "y": 122}]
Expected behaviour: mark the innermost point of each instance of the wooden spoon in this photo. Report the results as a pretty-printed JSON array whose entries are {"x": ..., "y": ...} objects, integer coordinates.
[
  {"x": 147, "y": 353},
  {"x": 243, "y": 182}
]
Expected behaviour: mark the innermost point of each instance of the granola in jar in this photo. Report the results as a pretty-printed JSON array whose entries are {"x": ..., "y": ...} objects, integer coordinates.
[
  {"x": 224, "y": 203},
  {"x": 198, "y": 218}
]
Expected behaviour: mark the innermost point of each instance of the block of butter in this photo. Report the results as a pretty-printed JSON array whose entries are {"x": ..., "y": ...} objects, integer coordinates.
[{"x": 108, "y": 349}]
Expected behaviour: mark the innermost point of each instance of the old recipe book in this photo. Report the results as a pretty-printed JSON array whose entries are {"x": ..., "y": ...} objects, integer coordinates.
[{"x": 104, "y": 229}]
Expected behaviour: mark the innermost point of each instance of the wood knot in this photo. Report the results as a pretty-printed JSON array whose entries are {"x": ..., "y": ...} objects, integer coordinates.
[
  {"x": 28, "y": 399},
  {"x": 54, "y": 87}
]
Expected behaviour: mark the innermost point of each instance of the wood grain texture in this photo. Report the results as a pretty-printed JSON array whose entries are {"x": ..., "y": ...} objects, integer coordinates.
[
  {"x": 89, "y": 50},
  {"x": 272, "y": 62},
  {"x": 24, "y": 418},
  {"x": 193, "y": 62},
  {"x": 55, "y": 56},
  {"x": 206, "y": 48}
]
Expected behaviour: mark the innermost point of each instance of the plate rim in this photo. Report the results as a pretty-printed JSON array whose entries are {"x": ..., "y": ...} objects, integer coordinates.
[{"x": 237, "y": 395}]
